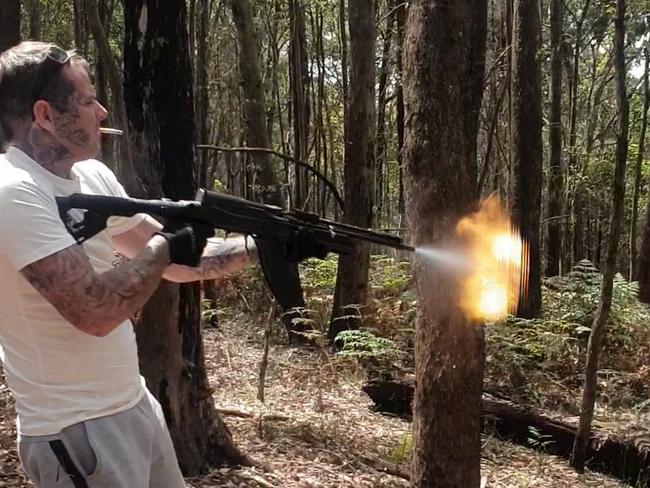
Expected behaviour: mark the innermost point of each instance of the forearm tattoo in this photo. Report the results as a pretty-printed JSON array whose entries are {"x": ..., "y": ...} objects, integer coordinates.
[
  {"x": 97, "y": 303},
  {"x": 220, "y": 257},
  {"x": 224, "y": 256}
]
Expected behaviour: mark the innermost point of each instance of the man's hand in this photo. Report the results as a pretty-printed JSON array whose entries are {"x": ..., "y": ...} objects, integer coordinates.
[
  {"x": 304, "y": 245},
  {"x": 186, "y": 242}
]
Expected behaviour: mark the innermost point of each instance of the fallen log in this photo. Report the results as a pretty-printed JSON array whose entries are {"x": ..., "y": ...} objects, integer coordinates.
[{"x": 624, "y": 456}]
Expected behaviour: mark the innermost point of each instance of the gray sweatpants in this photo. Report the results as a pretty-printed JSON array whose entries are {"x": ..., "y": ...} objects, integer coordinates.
[{"x": 131, "y": 449}]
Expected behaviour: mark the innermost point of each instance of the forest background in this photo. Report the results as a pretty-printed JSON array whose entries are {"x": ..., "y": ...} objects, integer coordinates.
[{"x": 255, "y": 98}]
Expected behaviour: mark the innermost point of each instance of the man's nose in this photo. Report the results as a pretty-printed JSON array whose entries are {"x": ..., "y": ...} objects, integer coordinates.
[{"x": 102, "y": 113}]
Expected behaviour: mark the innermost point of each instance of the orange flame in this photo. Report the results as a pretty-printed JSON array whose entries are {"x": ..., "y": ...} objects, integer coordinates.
[{"x": 498, "y": 263}]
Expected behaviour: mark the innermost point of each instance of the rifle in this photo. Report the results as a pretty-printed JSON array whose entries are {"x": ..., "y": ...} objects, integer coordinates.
[{"x": 270, "y": 226}]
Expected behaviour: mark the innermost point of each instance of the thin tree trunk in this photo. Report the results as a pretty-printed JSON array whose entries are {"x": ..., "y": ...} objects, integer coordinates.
[
  {"x": 203, "y": 90},
  {"x": 254, "y": 105},
  {"x": 400, "y": 19},
  {"x": 80, "y": 28},
  {"x": 203, "y": 130},
  {"x": 581, "y": 444},
  {"x": 158, "y": 81},
  {"x": 634, "y": 221},
  {"x": 527, "y": 144},
  {"x": 35, "y": 20},
  {"x": 10, "y": 24},
  {"x": 109, "y": 144},
  {"x": 299, "y": 79},
  {"x": 352, "y": 275},
  {"x": 344, "y": 68},
  {"x": 384, "y": 74},
  {"x": 125, "y": 170},
  {"x": 556, "y": 171},
  {"x": 579, "y": 192},
  {"x": 443, "y": 84}
]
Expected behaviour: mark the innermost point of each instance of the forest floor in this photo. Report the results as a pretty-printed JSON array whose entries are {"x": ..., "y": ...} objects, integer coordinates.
[{"x": 315, "y": 428}]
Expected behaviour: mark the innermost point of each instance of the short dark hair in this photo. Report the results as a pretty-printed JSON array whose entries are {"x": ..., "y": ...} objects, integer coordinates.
[{"x": 19, "y": 68}]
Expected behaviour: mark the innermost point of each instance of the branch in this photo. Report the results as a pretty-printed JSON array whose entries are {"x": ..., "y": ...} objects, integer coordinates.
[{"x": 318, "y": 174}]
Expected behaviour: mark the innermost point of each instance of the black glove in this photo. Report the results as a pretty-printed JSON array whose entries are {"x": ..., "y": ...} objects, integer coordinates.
[
  {"x": 186, "y": 242},
  {"x": 303, "y": 245}
]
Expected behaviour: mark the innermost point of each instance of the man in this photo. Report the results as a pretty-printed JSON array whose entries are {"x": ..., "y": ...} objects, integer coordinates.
[{"x": 85, "y": 417}]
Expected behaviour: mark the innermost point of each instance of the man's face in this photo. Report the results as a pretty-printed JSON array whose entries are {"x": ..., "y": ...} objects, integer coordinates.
[{"x": 77, "y": 127}]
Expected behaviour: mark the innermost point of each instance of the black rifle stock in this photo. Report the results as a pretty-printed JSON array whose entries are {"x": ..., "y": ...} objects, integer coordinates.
[{"x": 271, "y": 227}]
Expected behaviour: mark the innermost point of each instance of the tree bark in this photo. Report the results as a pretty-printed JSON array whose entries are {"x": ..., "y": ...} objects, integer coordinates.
[
  {"x": 579, "y": 192},
  {"x": 618, "y": 195},
  {"x": 10, "y": 24},
  {"x": 345, "y": 95},
  {"x": 254, "y": 104},
  {"x": 158, "y": 89},
  {"x": 634, "y": 221},
  {"x": 556, "y": 170},
  {"x": 526, "y": 144},
  {"x": 382, "y": 176},
  {"x": 34, "y": 19},
  {"x": 443, "y": 83},
  {"x": 400, "y": 21},
  {"x": 359, "y": 171},
  {"x": 299, "y": 80},
  {"x": 125, "y": 165}
]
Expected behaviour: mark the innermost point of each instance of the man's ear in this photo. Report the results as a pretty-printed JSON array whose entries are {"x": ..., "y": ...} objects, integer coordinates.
[{"x": 43, "y": 115}]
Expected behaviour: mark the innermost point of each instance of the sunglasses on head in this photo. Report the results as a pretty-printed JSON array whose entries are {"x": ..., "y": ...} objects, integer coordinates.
[{"x": 55, "y": 59}]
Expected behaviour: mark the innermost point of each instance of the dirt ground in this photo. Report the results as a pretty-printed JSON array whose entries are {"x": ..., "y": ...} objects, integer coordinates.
[{"x": 315, "y": 428}]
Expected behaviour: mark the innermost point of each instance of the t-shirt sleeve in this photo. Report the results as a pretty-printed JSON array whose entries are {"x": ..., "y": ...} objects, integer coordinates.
[
  {"x": 112, "y": 187},
  {"x": 30, "y": 225}
]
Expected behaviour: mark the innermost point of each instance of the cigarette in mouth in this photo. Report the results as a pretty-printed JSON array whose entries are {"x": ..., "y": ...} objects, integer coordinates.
[{"x": 108, "y": 130}]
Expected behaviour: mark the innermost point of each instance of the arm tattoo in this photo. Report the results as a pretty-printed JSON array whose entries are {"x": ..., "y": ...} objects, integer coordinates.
[
  {"x": 220, "y": 257},
  {"x": 98, "y": 303}
]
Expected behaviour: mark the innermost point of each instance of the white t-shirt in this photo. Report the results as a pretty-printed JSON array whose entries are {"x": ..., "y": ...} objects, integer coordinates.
[{"x": 58, "y": 374}]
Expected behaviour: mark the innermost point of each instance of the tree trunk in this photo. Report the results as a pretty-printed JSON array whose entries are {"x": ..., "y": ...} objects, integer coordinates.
[
  {"x": 443, "y": 82},
  {"x": 382, "y": 176},
  {"x": 634, "y": 221},
  {"x": 125, "y": 168},
  {"x": 618, "y": 195},
  {"x": 10, "y": 24},
  {"x": 345, "y": 95},
  {"x": 527, "y": 144},
  {"x": 9, "y": 35},
  {"x": 202, "y": 107},
  {"x": 556, "y": 171},
  {"x": 299, "y": 80},
  {"x": 109, "y": 144},
  {"x": 359, "y": 172},
  {"x": 80, "y": 28},
  {"x": 579, "y": 192},
  {"x": 254, "y": 104},
  {"x": 158, "y": 81},
  {"x": 34, "y": 20},
  {"x": 400, "y": 20}
]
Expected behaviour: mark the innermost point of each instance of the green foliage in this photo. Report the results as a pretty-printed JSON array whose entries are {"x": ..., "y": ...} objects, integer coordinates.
[
  {"x": 391, "y": 277},
  {"x": 319, "y": 275},
  {"x": 402, "y": 451},
  {"x": 209, "y": 310},
  {"x": 366, "y": 348},
  {"x": 541, "y": 361},
  {"x": 537, "y": 440}
]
